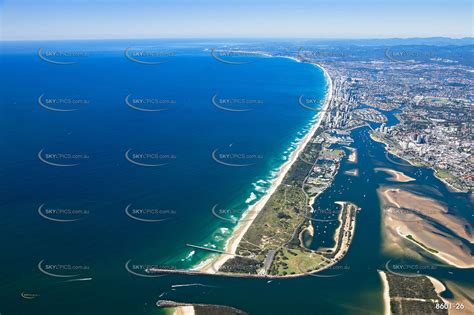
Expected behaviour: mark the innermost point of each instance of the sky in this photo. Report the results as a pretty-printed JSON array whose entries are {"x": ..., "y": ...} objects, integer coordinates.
[{"x": 114, "y": 19}]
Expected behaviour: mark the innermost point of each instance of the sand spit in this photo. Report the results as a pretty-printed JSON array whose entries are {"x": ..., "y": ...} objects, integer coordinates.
[
  {"x": 396, "y": 176},
  {"x": 353, "y": 172}
]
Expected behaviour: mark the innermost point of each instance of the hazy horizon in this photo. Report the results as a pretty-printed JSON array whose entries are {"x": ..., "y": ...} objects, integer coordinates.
[
  {"x": 246, "y": 38},
  {"x": 200, "y": 19}
]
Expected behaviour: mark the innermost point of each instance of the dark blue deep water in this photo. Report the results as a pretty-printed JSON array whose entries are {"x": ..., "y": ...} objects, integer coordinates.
[
  {"x": 77, "y": 103},
  {"x": 79, "y": 206}
]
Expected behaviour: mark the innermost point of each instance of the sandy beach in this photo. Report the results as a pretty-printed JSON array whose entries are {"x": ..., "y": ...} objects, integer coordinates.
[
  {"x": 345, "y": 242},
  {"x": 184, "y": 310},
  {"x": 438, "y": 285},
  {"x": 386, "y": 292},
  {"x": 211, "y": 266}
]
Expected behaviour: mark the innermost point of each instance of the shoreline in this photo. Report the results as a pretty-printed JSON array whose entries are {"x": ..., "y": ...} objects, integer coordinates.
[
  {"x": 438, "y": 286},
  {"x": 389, "y": 150},
  {"x": 386, "y": 292},
  {"x": 212, "y": 265},
  {"x": 340, "y": 227}
]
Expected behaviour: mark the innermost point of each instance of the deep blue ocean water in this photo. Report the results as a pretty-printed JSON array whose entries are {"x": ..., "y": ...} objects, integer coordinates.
[
  {"x": 86, "y": 114},
  {"x": 170, "y": 205}
]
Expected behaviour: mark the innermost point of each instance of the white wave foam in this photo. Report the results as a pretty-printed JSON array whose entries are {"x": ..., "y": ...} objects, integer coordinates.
[
  {"x": 190, "y": 255},
  {"x": 224, "y": 230},
  {"x": 193, "y": 285},
  {"x": 218, "y": 238},
  {"x": 252, "y": 197},
  {"x": 259, "y": 188}
]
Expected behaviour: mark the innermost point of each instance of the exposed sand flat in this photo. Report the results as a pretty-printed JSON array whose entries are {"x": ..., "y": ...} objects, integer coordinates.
[
  {"x": 449, "y": 249},
  {"x": 411, "y": 227},
  {"x": 398, "y": 198},
  {"x": 389, "y": 198},
  {"x": 394, "y": 241},
  {"x": 352, "y": 172},
  {"x": 396, "y": 176},
  {"x": 184, "y": 310},
  {"x": 211, "y": 266},
  {"x": 462, "y": 300},
  {"x": 390, "y": 239},
  {"x": 353, "y": 155},
  {"x": 386, "y": 292},
  {"x": 392, "y": 244}
]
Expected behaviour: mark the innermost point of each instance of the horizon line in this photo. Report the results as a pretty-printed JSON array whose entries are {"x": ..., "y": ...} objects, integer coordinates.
[{"x": 239, "y": 38}]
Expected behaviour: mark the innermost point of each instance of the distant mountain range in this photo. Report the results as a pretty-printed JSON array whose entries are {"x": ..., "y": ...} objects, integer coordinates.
[{"x": 432, "y": 41}]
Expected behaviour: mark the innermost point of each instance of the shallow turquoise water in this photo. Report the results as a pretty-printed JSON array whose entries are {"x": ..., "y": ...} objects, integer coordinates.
[{"x": 97, "y": 248}]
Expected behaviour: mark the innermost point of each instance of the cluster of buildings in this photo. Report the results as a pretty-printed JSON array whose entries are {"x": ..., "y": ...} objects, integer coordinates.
[
  {"x": 324, "y": 170},
  {"x": 438, "y": 146},
  {"x": 433, "y": 101},
  {"x": 339, "y": 119}
]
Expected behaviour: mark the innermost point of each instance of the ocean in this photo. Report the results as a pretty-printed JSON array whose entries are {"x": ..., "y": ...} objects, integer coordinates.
[{"x": 119, "y": 154}]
